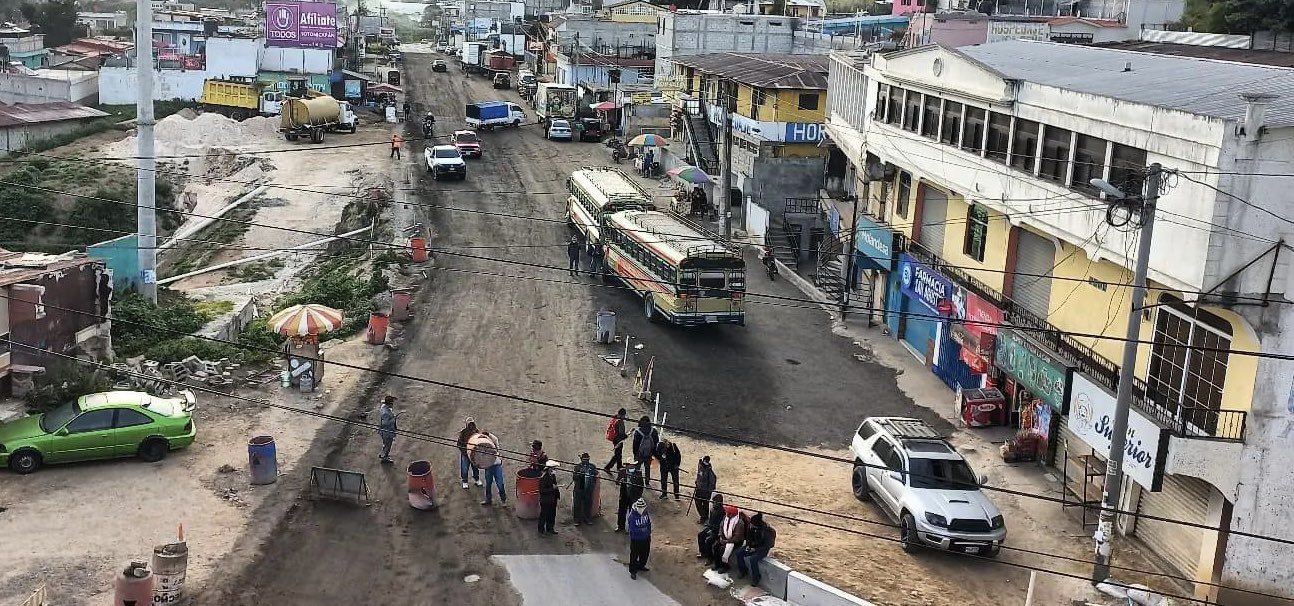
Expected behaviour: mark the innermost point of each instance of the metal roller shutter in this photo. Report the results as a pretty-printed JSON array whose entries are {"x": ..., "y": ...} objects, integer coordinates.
[
  {"x": 934, "y": 216},
  {"x": 1183, "y": 498},
  {"x": 1035, "y": 255}
]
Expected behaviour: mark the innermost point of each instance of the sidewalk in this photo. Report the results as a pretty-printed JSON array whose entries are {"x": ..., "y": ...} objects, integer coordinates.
[{"x": 1035, "y": 524}]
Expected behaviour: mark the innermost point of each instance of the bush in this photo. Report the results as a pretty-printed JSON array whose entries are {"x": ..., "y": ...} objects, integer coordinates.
[
  {"x": 140, "y": 325},
  {"x": 63, "y": 382}
]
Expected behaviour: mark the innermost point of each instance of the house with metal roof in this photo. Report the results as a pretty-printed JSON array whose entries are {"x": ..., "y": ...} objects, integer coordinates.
[
  {"x": 974, "y": 166},
  {"x": 22, "y": 124}
]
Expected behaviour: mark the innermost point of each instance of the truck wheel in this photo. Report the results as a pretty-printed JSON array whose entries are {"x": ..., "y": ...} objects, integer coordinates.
[
  {"x": 24, "y": 461},
  {"x": 858, "y": 481},
  {"x": 317, "y": 135},
  {"x": 516, "y": 123},
  {"x": 908, "y": 533},
  {"x": 290, "y": 136}
]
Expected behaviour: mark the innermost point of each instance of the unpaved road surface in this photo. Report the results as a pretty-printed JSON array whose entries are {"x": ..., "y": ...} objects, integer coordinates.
[{"x": 523, "y": 330}]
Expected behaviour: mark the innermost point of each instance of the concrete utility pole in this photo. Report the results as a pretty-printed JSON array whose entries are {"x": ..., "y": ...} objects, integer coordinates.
[
  {"x": 146, "y": 176},
  {"x": 721, "y": 201},
  {"x": 1145, "y": 204},
  {"x": 849, "y": 254}
]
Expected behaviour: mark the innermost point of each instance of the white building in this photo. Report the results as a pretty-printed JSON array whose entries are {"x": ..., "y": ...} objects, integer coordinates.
[
  {"x": 98, "y": 22},
  {"x": 981, "y": 157},
  {"x": 684, "y": 33}
]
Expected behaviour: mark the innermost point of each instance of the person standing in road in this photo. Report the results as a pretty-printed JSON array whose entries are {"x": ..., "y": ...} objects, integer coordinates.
[
  {"x": 573, "y": 256},
  {"x": 631, "y": 484},
  {"x": 645, "y": 440},
  {"x": 465, "y": 461},
  {"x": 494, "y": 472},
  {"x": 585, "y": 480},
  {"x": 396, "y": 142},
  {"x": 670, "y": 459},
  {"x": 386, "y": 427},
  {"x": 595, "y": 259},
  {"x": 760, "y": 538},
  {"x": 548, "y": 496},
  {"x": 705, "y": 485},
  {"x": 639, "y": 538},
  {"x": 709, "y": 535},
  {"x": 616, "y": 435}
]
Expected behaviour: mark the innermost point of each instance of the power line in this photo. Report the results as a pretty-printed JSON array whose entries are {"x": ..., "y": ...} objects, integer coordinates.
[
  {"x": 512, "y": 455},
  {"x": 1239, "y": 199}
]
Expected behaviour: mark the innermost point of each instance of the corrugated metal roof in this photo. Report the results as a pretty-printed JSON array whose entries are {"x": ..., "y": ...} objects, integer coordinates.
[
  {"x": 16, "y": 267},
  {"x": 1221, "y": 53},
  {"x": 36, "y": 113},
  {"x": 764, "y": 70},
  {"x": 1200, "y": 86}
]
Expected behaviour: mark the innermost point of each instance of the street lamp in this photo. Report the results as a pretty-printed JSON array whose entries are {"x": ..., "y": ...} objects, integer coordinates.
[{"x": 1119, "y": 212}]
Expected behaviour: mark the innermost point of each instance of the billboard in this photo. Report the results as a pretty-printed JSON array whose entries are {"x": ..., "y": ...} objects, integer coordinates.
[{"x": 301, "y": 24}]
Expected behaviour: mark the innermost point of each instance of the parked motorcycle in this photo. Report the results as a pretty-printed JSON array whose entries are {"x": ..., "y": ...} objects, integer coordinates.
[{"x": 618, "y": 150}]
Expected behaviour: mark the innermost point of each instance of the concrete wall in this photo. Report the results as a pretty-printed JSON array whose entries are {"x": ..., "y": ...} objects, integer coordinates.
[
  {"x": 16, "y": 138},
  {"x": 596, "y": 33},
  {"x": 228, "y": 57},
  {"x": 78, "y": 87},
  {"x": 303, "y": 60},
  {"x": 685, "y": 34},
  {"x": 41, "y": 319},
  {"x": 770, "y": 181},
  {"x": 117, "y": 85}
]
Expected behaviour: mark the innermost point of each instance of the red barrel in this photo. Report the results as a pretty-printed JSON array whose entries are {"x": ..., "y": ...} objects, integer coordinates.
[
  {"x": 528, "y": 494},
  {"x": 419, "y": 249},
  {"x": 422, "y": 485},
  {"x": 377, "y": 324},
  {"x": 133, "y": 586},
  {"x": 400, "y": 298}
]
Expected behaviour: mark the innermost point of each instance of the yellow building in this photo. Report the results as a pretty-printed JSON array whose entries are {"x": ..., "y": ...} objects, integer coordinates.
[{"x": 632, "y": 11}]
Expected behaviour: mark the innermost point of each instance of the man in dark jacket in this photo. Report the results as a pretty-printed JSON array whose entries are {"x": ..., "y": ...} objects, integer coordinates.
[
  {"x": 585, "y": 480},
  {"x": 631, "y": 483},
  {"x": 760, "y": 538},
  {"x": 670, "y": 460},
  {"x": 464, "y": 461},
  {"x": 548, "y": 496},
  {"x": 709, "y": 534},
  {"x": 705, "y": 484},
  {"x": 573, "y": 249},
  {"x": 646, "y": 438},
  {"x": 535, "y": 460},
  {"x": 618, "y": 445}
]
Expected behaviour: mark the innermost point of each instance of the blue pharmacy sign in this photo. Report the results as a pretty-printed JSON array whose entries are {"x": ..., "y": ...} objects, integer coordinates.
[
  {"x": 874, "y": 243},
  {"x": 923, "y": 283}
]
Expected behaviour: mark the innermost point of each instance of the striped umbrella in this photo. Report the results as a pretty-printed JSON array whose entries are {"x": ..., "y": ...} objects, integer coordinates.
[
  {"x": 649, "y": 140},
  {"x": 302, "y": 320},
  {"x": 690, "y": 174}
]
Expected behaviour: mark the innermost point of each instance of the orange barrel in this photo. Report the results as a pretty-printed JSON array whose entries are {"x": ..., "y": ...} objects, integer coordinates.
[
  {"x": 422, "y": 485},
  {"x": 133, "y": 586},
  {"x": 400, "y": 299},
  {"x": 170, "y": 563},
  {"x": 262, "y": 460},
  {"x": 528, "y": 494},
  {"x": 419, "y": 246},
  {"x": 377, "y": 323}
]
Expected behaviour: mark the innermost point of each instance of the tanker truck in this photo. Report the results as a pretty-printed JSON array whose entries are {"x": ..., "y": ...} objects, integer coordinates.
[{"x": 314, "y": 116}]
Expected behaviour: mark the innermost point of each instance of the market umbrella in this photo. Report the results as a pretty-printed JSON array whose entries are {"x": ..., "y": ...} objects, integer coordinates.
[
  {"x": 303, "y": 320},
  {"x": 649, "y": 140},
  {"x": 604, "y": 106},
  {"x": 690, "y": 174}
]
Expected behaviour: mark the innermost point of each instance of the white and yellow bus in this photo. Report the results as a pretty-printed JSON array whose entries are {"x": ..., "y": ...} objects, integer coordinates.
[
  {"x": 684, "y": 277},
  {"x": 598, "y": 191}
]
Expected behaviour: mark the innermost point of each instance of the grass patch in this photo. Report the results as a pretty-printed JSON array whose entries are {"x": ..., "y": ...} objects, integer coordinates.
[{"x": 257, "y": 270}]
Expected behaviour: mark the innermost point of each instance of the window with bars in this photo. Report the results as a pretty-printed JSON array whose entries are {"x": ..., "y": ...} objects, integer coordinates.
[
  {"x": 1024, "y": 145},
  {"x": 976, "y": 232},
  {"x": 1186, "y": 381},
  {"x": 999, "y": 136},
  {"x": 930, "y": 116},
  {"x": 952, "y": 127},
  {"x": 911, "y": 111},
  {"x": 1089, "y": 163},
  {"x": 1127, "y": 168},
  {"x": 973, "y": 130},
  {"x": 1055, "y": 153},
  {"x": 894, "y": 109},
  {"x": 903, "y": 194}
]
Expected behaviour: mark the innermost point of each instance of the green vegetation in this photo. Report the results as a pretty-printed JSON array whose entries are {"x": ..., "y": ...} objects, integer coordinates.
[
  {"x": 257, "y": 270},
  {"x": 344, "y": 283},
  {"x": 64, "y": 381},
  {"x": 54, "y": 18},
  {"x": 158, "y": 332},
  {"x": 1238, "y": 16},
  {"x": 193, "y": 255},
  {"x": 868, "y": 7}
]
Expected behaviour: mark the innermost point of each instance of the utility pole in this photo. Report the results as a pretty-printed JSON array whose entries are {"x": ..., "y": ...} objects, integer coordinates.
[
  {"x": 146, "y": 213},
  {"x": 849, "y": 254},
  {"x": 721, "y": 200},
  {"x": 1145, "y": 204}
]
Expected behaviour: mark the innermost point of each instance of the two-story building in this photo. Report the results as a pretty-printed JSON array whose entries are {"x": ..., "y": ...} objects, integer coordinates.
[
  {"x": 975, "y": 166},
  {"x": 24, "y": 46},
  {"x": 99, "y": 22}
]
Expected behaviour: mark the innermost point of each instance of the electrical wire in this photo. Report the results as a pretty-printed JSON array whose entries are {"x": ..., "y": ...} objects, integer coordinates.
[{"x": 1239, "y": 199}]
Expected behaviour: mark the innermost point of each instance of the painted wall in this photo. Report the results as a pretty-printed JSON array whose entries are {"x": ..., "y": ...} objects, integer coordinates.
[
  {"x": 303, "y": 60},
  {"x": 15, "y": 138},
  {"x": 69, "y": 85},
  {"x": 994, "y": 250},
  {"x": 228, "y": 57},
  {"x": 117, "y": 85},
  {"x": 49, "y": 327},
  {"x": 907, "y": 7},
  {"x": 684, "y": 34}
]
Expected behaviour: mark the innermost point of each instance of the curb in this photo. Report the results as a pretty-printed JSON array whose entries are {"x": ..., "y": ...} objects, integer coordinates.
[{"x": 797, "y": 588}]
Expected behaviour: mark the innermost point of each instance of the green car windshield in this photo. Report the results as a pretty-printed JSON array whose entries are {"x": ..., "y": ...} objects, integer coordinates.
[{"x": 54, "y": 419}]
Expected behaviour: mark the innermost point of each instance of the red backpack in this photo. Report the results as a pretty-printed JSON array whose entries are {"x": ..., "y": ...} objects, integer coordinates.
[{"x": 612, "y": 434}]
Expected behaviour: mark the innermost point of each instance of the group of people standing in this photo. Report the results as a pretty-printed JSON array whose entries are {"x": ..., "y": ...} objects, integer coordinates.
[{"x": 575, "y": 248}]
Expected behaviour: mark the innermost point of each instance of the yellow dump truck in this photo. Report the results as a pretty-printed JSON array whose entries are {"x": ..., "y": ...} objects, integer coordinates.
[
  {"x": 240, "y": 99},
  {"x": 312, "y": 117}
]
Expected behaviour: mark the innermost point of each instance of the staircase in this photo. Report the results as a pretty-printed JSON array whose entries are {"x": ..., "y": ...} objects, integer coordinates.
[
  {"x": 701, "y": 144},
  {"x": 830, "y": 274},
  {"x": 784, "y": 246}
]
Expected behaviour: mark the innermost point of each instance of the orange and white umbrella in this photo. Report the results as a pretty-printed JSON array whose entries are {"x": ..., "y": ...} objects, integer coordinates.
[{"x": 302, "y": 320}]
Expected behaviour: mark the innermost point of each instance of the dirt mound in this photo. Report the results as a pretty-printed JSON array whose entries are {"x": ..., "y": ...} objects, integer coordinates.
[{"x": 187, "y": 133}]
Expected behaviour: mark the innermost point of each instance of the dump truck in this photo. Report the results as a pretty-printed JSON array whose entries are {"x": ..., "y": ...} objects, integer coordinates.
[
  {"x": 315, "y": 116},
  {"x": 555, "y": 102},
  {"x": 240, "y": 99}
]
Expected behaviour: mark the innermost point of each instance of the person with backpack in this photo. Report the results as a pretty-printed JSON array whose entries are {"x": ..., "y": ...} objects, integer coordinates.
[
  {"x": 704, "y": 488},
  {"x": 646, "y": 438},
  {"x": 639, "y": 538},
  {"x": 670, "y": 459},
  {"x": 631, "y": 483},
  {"x": 616, "y": 436},
  {"x": 585, "y": 479},
  {"x": 760, "y": 538}
]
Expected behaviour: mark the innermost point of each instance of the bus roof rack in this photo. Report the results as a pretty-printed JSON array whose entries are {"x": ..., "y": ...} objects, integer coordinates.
[{"x": 911, "y": 429}]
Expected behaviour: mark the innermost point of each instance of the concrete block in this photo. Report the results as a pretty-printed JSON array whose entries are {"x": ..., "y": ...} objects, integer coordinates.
[
  {"x": 805, "y": 591},
  {"x": 773, "y": 575}
]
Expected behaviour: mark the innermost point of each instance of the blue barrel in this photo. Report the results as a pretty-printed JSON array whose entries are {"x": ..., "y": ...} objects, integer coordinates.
[{"x": 262, "y": 460}]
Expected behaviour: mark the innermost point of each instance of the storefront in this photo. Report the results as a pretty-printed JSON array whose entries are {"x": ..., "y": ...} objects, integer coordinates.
[
  {"x": 969, "y": 355},
  {"x": 1036, "y": 384},
  {"x": 924, "y": 297},
  {"x": 873, "y": 260}
]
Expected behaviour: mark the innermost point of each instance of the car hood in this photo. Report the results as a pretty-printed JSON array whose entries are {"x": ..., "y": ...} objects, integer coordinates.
[
  {"x": 957, "y": 504},
  {"x": 21, "y": 429}
]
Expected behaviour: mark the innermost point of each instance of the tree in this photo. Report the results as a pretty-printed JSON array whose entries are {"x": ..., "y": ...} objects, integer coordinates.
[
  {"x": 1238, "y": 16},
  {"x": 56, "y": 19}
]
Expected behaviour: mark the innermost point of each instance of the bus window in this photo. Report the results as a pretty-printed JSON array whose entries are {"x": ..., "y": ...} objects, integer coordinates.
[
  {"x": 688, "y": 279},
  {"x": 736, "y": 280},
  {"x": 712, "y": 280}
]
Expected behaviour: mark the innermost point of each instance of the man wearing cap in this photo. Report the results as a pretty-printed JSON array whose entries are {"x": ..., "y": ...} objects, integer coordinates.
[
  {"x": 386, "y": 427},
  {"x": 548, "y": 495},
  {"x": 630, "y": 480},
  {"x": 465, "y": 460},
  {"x": 703, "y": 488},
  {"x": 639, "y": 538},
  {"x": 585, "y": 479}
]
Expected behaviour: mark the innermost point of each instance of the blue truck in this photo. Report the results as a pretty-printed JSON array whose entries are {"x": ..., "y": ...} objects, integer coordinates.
[{"x": 489, "y": 114}]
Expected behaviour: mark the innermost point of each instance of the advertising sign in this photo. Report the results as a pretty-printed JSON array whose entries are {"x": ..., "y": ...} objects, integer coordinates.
[
  {"x": 301, "y": 24},
  {"x": 975, "y": 337},
  {"x": 789, "y": 132},
  {"x": 922, "y": 283},
  {"x": 1032, "y": 367},
  {"x": 1091, "y": 418},
  {"x": 876, "y": 242}
]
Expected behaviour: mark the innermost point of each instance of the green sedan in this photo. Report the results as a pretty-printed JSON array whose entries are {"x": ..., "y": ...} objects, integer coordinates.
[{"x": 99, "y": 426}]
